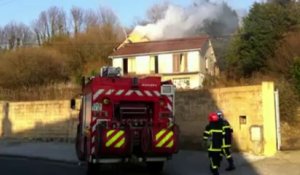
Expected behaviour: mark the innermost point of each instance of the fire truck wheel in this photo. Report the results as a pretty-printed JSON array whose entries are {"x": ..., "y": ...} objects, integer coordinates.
[
  {"x": 93, "y": 168},
  {"x": 155, "y": 167}
]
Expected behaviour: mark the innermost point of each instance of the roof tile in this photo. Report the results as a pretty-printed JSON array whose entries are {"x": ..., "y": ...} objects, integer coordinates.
[{"x": 160, "y": 46}]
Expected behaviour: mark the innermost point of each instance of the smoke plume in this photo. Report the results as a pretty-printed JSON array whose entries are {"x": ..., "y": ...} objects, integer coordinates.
[{"x": 203, "y": 17}]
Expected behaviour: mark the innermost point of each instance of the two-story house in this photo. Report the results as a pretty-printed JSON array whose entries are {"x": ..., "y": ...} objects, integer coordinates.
[{"x": 186, "y": 61}]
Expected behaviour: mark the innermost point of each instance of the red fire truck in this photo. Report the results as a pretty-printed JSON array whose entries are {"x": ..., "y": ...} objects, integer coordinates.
[{"x": 125, "y": 118}]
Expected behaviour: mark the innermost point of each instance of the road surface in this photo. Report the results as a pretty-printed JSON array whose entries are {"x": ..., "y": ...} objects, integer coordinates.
[
  {"x": 186, "y": 163},
  {"x": 21, "y": 166}
]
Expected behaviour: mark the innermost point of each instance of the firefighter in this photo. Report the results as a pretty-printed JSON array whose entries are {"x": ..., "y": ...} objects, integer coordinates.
[
  {"x": 213, "y": 137},
  {"x": 226, "y": 145}
]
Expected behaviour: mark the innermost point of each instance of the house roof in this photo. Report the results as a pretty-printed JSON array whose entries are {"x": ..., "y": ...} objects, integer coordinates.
[{"x": 161, "y": 46}]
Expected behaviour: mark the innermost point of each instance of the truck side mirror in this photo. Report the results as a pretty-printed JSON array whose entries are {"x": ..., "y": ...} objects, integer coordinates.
[{"x": 73, "y": 103}]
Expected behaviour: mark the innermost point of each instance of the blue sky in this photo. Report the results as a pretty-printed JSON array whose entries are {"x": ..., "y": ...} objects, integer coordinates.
[{"x": 26, "y": 11}]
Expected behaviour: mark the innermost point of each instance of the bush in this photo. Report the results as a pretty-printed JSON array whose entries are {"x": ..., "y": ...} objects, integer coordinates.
[
  {"x": 288, "y": 101},
  {"x": 295, "y": 71},
  {"x": 88, "y": 51},
  {"x": 32, "y": 67}
]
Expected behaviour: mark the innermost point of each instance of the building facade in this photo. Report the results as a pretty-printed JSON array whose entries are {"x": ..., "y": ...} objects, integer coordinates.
[{"x": 185, "y": 61}]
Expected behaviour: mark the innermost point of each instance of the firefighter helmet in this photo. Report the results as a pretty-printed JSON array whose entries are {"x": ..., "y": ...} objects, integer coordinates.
[{"x": 213, "y": 117}]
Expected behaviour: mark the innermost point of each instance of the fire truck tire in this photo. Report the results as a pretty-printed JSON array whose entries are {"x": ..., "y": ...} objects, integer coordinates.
[
  {"x": 155, "y": 167},
  {"x": 92, "y": 168},
  {"x": 79, "y": 153}
]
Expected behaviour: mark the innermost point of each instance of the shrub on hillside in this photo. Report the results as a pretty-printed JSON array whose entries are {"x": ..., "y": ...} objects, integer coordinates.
[
  {"x": 288, "y": 101},
  {"x": 88, "y": 51},
  {"x": 32, "y": 67}
]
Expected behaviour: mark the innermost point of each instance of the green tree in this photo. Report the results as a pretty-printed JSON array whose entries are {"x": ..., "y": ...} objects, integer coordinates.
[{"x": 256, "y": 41}]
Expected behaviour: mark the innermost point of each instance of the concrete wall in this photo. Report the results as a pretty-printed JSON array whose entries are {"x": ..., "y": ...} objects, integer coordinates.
[
  {"x": 38, "y": 120},
  {"x": 250, "y": 110}
]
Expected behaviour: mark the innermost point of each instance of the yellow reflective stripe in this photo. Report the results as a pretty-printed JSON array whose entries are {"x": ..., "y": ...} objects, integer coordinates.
[
  {"x": 226, "y": 146},
  {"x": 120, "y": 143},
  {"x": 109, "y": 133},
  {"x": 214, "y": 149},
  {"x": 223, "y": 142},
  {"x": 212, "y": 164},
  {"x": 207, "y": 132},
  {"x": 114, "y": 138},
  {"x": 224, "y": 152},
  {"x": 224, "y": 127},
  {"x": 159, "y": 134},
  {"x": 165, "y": 139},
  {"x": 216, "y": 130},
  {"x": 205, "y": 137},
  {"x": 170, "y": 144}
]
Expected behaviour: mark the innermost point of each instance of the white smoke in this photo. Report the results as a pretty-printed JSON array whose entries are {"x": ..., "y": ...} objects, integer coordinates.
[{"x": 179, "y": 21}]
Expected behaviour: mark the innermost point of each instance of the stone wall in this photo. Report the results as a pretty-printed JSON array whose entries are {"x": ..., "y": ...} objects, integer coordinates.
[
  {"x": 246, "y": 108},
  {"x": 47, "y": 120},
  {"x": 249, "y": 109}
]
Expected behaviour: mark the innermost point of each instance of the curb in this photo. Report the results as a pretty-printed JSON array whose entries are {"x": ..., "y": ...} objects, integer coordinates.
[{"x": 69, "y": 162}]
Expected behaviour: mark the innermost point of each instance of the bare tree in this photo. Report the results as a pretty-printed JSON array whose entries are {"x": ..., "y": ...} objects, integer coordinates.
[
  {"x": 1, "y": 38},
  {"x": 41, "y": 28},
  {"x": 91, "y": 19},
  {"x": 57, "y": 20},
  {"x": 16, "y": 35},
  {"x": 49, "y": 24},
  {"x": 77, "y": 19},
  {"x": 107, "y": 16}
]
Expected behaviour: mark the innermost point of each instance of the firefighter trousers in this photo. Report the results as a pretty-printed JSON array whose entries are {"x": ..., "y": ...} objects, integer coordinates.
[
  {"x": 215, "y": 158},
  {"x": 227, "y": 153}
]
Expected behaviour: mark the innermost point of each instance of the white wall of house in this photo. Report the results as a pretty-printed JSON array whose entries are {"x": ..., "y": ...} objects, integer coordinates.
[
  {"x": 165, "y": 63},
  {"x": 118, "y": 62},
  {"x": 193, "y": 61},
  {"x": 196, "y": 62},
  {"x": 142, "y": 64}
]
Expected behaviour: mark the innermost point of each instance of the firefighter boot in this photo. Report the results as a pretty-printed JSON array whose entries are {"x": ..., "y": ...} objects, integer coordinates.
[
  {"x": 231, "y": 165},
  {"x": 214, "y": 171}
]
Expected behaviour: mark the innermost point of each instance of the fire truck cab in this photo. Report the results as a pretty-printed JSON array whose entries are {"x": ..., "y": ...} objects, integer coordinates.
[{"x": 123, "y": 118}]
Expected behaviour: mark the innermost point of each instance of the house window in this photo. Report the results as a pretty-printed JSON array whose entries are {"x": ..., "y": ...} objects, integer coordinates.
[
  {"x": 180, "y": 62},
  {"x": 156, "y": 64},
  {"x": 125, "y": 66}
]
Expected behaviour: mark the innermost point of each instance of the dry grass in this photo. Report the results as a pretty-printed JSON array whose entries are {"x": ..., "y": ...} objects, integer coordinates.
[
  {"x": 290, "y": 135},
  {"x": 51, "y": 92}
]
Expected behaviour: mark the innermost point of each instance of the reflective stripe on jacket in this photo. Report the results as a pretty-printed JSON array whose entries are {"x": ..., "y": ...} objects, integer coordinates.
[
  {"x": 214, "y": 134},
  {"x": 228, "y": 134}
]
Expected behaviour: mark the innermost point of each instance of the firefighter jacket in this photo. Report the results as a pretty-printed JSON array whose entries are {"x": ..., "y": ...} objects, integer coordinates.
[
  {"x": 214, "y": 134},
  {"x": 227, "y": 130}
]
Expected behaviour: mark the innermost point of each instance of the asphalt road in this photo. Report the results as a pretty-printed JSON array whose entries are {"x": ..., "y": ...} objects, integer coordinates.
[
  {"x": 185, "y": 163},
  {"x": 21, "y": 166}
]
